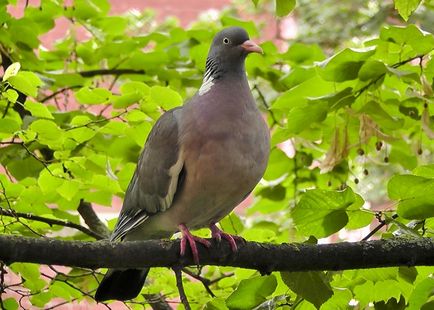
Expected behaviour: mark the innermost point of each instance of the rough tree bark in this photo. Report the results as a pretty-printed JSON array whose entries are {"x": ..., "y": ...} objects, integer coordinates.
[{"x": 260, "y": 256}]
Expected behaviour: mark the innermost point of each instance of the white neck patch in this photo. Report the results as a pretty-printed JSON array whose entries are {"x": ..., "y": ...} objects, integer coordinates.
[{"x": 206, "y": 84}]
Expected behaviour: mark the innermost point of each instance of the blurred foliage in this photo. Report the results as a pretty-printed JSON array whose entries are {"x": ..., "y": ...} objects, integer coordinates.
[{"x": 349, "y": 104}]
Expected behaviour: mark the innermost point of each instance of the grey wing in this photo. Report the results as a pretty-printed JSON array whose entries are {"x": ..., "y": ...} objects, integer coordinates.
[{"x": 155, "y": 181}]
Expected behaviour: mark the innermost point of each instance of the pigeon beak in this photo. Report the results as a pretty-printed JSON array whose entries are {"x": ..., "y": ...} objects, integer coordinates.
[{"x": 251, "y": 47}]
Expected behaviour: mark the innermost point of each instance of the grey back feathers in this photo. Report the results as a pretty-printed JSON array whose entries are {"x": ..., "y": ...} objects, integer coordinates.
[{"x": 154, "y": 183}]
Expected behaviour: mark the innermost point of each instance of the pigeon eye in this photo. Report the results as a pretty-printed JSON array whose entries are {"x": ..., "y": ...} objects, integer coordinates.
[{"x": 226, "y": 41}]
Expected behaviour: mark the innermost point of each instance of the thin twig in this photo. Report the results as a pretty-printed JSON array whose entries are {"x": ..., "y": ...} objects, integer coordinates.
[
  {"x": 396, "y": 65},
  {"x": 180, "y": 286},
  {"x": 37, "y": 158},
  {"x": 97, "y": 121},
  {"x": 379, "y": 226},
  {"x": 58, "y": 92},
  {"x": 29, "y": 216},
  {"x": 266, "y": 105},
  {"x": 206, "y": 282}
]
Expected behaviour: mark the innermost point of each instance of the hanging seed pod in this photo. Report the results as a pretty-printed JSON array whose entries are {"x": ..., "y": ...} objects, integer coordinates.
[{"x": 378, "y": 145}]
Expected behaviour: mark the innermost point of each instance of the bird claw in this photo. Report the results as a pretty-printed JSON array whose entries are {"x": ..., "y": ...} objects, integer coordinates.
[
  {"x": 188, "y": 237},
  {"x": 219, "y": 234}
]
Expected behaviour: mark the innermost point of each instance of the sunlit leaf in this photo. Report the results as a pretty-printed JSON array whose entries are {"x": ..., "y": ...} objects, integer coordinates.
[{"x": 251, "y": 292}]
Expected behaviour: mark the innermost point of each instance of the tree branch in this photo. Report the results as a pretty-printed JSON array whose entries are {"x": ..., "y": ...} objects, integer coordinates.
[
  {"x": 49, "y": 221},
  {"x": 264, "y": 257},
  {"x": 91, "y": 219},
  {"x": 92, "y": 73}
]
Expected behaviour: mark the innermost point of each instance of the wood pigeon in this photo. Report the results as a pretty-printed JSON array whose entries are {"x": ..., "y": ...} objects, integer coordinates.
[{"x": 199, "y": 162}]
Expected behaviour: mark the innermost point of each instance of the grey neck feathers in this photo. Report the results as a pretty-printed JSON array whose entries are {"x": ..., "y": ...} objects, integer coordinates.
[{"x": 214, "y": 71}]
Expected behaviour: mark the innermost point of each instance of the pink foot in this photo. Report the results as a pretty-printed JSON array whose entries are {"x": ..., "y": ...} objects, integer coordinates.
[
  {"x": 188, "y": 237},
  {"x": 218, "y": 235}
]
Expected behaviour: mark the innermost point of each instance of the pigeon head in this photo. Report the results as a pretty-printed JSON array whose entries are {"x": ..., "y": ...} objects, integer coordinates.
[
  {"x": 233, "y": 43},
  {"x": 228, "y": 52}
]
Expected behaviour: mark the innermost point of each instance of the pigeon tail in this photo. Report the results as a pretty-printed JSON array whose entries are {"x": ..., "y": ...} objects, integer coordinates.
[{"x": 121, "y": 284}]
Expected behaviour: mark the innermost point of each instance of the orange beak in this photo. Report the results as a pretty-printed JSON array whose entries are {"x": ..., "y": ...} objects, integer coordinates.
[{"x": 251, "y": 47}]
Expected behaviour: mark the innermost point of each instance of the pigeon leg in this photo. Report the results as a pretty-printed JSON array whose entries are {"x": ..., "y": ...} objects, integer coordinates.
[
  {"x": 219, "y": 234},
  {"x": 188, "y": 237}
]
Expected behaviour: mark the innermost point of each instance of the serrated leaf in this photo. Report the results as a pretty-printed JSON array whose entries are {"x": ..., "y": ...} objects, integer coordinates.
[
  {"x": 415, "y": 195},
  {"x": 312, "y": 286},
  {"x": 251, "y": 292},
  {"x": 321, "y": 213}
]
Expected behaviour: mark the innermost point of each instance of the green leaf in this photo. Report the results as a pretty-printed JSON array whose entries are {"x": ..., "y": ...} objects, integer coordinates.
[
  {"x": 371, "y": 70},
  {"x": 30, "y": 272},
  {"x": 421, "y": 293},
  {"x": 321, "y": 213},
  {"x": 135, "y": 87},
  {"x": 10, "y": 304},
  {"x": 8, "y": 125},
  {"x": 415, "y": 195},
  {"x": 26, "y": 82},
  {"x": 279, "y": 165},
  {"x": 251, "y": 292},
  {"x": 93, "y": 96},
  {"x": 11, "y": 95},
  {"x": 426, "y": 171},
  {"x": 12, "y": 70},
  {"x": 284, "y": 7},
  {"x": 344, "y": 65},
  {"x": 165, "y": 97},
  {"x": 68, "y": 189},
  {"x": 301, "y": 53},
  {"x": 406, "y": 7},
  {"x": 340, "y": 300},
  {"x": 302, "y": 117},
  {"x": 232, "y": 224},
  {"x": 249, "y": 26},
  {"x": 47, "y": 182},
  {"x": 86, "y": 9},
  {"x": 314, "y": 286},
  {"x": 420, "y": 42},
  {"x": 46, "y": 129},
  {"x": 380, "y": 116},
  {"x": 135, "y": 116},
  {"x": 38, "y": 109}
]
